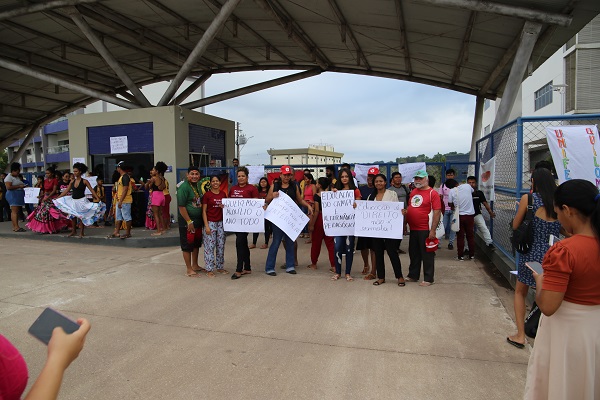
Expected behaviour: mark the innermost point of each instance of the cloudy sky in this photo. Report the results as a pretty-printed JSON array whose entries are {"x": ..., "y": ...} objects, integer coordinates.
[{"x": 365, "y": 118}]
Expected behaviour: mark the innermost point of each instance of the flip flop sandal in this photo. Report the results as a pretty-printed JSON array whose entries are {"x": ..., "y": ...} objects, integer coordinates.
[
  {"x": 125, "y": 236},
  {"x": 222, "y": 271},
  {"x": 335, "y": 277},
  {"x": 378, "y": 283},
  {"x": 349, "y": 278},
  {"x": 369, "y": 277},
  {"x": 20, "y": 230},
  {"x": 401, "y": 283},
  {"x": 112, "y": 236}
]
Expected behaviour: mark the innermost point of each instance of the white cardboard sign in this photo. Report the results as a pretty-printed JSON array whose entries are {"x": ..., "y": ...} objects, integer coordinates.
[
  {"x": 379, "y": 219},
  {"x": 119, "y": 145},
  {"x": 408, "y": 170},
  {"x": 338, "y": 212},
  {"x": 286, "y": 214},
  {"x": 255, "y": 173},
  {"x": 243, "y": 215},
  {"x": 31, "y": 195},
  {"x": 361, "y": 172},
  {"x": 92, "y": 181}
]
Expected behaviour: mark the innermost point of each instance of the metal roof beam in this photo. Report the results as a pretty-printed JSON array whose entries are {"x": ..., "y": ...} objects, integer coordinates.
[
  {"x": 403, "y": 38},
  {"x": 44, "y": 6},
  {"x": 36, "y": 96},
  {"x": 348, "y": 31},
  {"x": 463, "y": 56},
  {"x": 287, "y": 25},
  {"x": 107, "y": 56},
  {"x": 199, "y": 49},
  {"x": 251, "y": 89},
  {"x": 529, "y": 35},
  {"x": 191, "y": 89},
  {"x": 22, "y": 69},
  {"x": 528, "y": 14}
]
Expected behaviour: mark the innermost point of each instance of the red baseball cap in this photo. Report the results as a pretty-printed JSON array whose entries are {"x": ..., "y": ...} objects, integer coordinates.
[
  {"x": 431, "y": 245},
  {"x": 373, "y": 171},
  {"x": 286, "y": 169}
]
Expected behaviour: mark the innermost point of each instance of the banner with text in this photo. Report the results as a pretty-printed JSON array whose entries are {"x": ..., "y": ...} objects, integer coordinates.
[
  {"x": 408, "y": 170},
  {"x": 574, "y": 152},
  {"x": 379, "y": 219},
  {"x": 243, "y": 215},
  {"x": 487, "y": 175},
  {"x": 286, "y": 214},
  {"x": 338, "y": 212},
  {"x": 31, "y": 195}
]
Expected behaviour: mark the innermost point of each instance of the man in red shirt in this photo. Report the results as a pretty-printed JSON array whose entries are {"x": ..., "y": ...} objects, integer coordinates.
[{"x": 422, "y": 200}]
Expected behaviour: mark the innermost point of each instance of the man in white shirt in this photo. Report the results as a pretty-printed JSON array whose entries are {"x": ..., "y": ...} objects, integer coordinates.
[{"x": 461, "y": 196}]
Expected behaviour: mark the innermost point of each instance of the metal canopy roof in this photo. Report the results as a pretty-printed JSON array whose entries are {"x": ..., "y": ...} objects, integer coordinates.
[{"x": 51, "y": 62}]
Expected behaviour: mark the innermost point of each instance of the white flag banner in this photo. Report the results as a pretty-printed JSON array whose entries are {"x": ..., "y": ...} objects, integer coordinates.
[
  {"x": 243, "y": 215},
  {"x": 92, "y": 181},
  {"x": 379, "y": 219},
  {"x": 119, "y": 145},
  {"x": 255, "y": 172},
  {"x": 487, "y": 176},
  {"x": 338, "y": 212},
  {"x": 408, "y": 170},
  {"x": 361, "y": 172},
  {"x": 31, "y": 195},
  {"x": 286, "y": 214},
  {"x": 574, "y": 152}
]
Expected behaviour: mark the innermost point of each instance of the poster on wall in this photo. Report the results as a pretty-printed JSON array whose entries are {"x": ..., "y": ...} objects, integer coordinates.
[
  {"x": 574, "y": 152},
  {"x": 78, "y": 159},
  {"x": 255, "y": 172},
  {"x": 118, "y": 145},
  {"x": 408, "y": 170},
  {"x": 487, "y": 175}
]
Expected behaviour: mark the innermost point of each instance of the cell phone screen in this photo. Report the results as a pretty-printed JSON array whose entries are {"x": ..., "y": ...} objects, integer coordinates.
[
  {"x": 48, "y": 320},
  {"x": 536, "y": 266}
]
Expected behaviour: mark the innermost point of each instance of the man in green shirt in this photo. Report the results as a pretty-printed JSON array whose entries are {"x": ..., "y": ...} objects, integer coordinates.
[{"x": 189, "y": 204}]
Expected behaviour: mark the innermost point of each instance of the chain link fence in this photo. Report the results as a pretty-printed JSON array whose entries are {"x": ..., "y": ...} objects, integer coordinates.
[{"x": 518, "y": 146}]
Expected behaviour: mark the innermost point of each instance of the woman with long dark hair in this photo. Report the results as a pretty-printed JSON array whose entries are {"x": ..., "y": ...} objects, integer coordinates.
[
  {"x": 156, "y": 185},
  {"x": 263, "y": 190},
  {"x": 544, "y": 224},
  {"x": 46, "y": 218},
  {"x": 214, "y": 238},
  {"x": 344, "y": 245},
  {"x": 564, "y": 361},
  {"x": 315, "y": 227}
]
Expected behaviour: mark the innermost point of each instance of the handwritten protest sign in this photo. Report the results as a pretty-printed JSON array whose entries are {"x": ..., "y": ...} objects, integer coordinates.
[
  {"x": 379, "y": 219},
  {"x": 255, "y": 172},
  {"x": 338, "y": 212},
  {"x": 574, "y": 152},
  {"x": 243, "y": 215},
  {"x": 361, "y": 172},
  {"x": 92, "y": 181},
  {"x": 286, "y": 215},
  {"x": 31, "y": 195},
  {"x": 408, "y": 170},
  {"x": 119, "y": 145}
]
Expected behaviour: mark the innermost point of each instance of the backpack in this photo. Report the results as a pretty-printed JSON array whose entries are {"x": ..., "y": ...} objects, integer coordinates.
[{"x": 522, "y": 237}]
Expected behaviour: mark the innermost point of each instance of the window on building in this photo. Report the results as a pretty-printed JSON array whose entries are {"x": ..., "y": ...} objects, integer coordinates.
[
  {"x": 543, "y": 96},
  {"x": 486, "y": 130},
  {"x": 486, "y": 104}
]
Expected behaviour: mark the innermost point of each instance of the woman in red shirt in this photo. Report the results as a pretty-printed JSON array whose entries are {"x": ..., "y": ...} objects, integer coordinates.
[
  {"x": 245, "y": 191},
  {"x": 46, "y": 218},
  {"x": 212, "y": 213},
  {"x": 564, "y": 362}
]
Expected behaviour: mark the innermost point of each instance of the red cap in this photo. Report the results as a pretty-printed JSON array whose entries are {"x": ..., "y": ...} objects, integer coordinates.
[
  {"x": 431, "y": 245},
  {"x": 373, "y": 171},
  {"x": 286, "y": 169}
]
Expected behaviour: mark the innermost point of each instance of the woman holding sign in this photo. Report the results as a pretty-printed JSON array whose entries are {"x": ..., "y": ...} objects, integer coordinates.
[
  {"x": 212, "y": 214},
  {"x": 344, "y": 245},
  {"x": 388, "y": 244},
  {"x": 242, "y": 191},
  {"x": 290, "y": 188},
  {"x": 315, "y": 227}
]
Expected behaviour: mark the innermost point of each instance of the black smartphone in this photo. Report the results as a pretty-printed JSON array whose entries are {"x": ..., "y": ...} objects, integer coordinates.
[
  {"x": 535, "y": 266},
  {"x": 48, "y": 320}
]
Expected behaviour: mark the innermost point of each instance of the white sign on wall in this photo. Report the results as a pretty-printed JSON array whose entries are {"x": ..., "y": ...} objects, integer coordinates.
[
  {"x": 379, "y": 219},
  {"x": 243, "y": 215},
  {"x": 286, "y": 215},
  {"x": 119, "y": 145},
  {"x": 338, "y": 212},
  {"x": 78, "y": 159}
]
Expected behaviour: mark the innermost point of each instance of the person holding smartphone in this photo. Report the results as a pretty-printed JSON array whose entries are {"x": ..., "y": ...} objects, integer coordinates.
[
  {"x": 63, "y": 349},
  {"x": 563, "y": 364}
]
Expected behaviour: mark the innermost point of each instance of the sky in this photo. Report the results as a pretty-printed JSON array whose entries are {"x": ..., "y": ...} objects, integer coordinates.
[{"x": 366, "y": 118}]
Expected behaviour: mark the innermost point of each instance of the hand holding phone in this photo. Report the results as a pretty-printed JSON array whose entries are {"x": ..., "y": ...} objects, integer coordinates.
[
  {"x": 535, "y": 267},
  {"x": 49, "y": 319}
]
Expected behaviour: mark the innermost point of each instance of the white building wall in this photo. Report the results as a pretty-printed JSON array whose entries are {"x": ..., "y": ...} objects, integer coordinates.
[{"x": 550, "y": 71}]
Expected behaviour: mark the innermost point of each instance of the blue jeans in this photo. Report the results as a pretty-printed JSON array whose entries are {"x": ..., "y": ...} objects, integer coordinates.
[
  {"x": 278, "y": 235},
  {"x": 343, "y": 245},
  {"x": 450, "y": 234}
]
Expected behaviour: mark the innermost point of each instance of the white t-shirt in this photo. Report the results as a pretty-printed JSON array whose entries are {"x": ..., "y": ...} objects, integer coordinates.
[
  {"x": 14, "y": 181},
  {"x": 462, "y": 196}
]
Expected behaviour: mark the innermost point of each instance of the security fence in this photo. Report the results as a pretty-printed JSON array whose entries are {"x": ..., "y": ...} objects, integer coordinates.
[{"x": 518, "y": 146}]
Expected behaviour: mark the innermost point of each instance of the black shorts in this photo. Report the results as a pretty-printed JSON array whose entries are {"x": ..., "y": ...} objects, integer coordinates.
[
  {"x": 363, "y": 243},
  {"x": 189, "y": 241}
]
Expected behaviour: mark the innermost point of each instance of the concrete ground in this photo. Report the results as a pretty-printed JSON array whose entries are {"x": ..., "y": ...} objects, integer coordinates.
[{"x": 157, "y": 334}]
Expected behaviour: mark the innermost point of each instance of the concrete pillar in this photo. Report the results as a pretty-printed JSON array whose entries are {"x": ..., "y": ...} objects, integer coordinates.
[{"x": 477, "y": 121}]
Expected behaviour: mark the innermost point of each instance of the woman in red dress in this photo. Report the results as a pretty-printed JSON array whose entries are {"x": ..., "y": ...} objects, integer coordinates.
[{"x": 46, "y": 218}]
